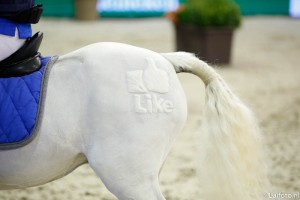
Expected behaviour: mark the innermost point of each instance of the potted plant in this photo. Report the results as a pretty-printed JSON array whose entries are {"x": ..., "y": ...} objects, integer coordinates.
[
  {"x": 86, "y": 9},
  {"x": 205, "y": 27}
]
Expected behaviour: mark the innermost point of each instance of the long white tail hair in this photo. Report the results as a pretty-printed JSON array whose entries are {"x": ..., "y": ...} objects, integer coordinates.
[{"x": 232, "y": 163}]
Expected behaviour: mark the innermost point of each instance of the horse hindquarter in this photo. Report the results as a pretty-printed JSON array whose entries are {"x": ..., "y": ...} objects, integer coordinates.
[{"x": 136, "y": 109}]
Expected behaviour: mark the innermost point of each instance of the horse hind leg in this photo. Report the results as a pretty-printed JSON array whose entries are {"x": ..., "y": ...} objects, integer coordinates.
[
  {"x": 128, "y": 175},
  {"x": 135, "y": 188}
]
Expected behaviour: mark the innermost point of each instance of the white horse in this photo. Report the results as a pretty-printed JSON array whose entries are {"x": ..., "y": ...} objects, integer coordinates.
[{"x": 119, "y": 108}]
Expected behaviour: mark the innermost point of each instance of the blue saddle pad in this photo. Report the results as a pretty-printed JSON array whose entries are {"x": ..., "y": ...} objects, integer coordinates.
[{"x": 19, "y": 106}]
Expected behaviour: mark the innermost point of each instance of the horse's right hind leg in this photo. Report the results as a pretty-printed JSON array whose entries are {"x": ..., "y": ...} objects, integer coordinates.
[{"x": 132, "y": 176}]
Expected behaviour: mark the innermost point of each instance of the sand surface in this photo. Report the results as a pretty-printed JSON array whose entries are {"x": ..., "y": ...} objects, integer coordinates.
[{"x": 265, "y": 73}]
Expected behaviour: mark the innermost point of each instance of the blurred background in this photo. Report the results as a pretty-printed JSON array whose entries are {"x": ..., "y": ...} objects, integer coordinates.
[
  {"x": 264, "y": 70},
  {"x": 136, "y": 8}
]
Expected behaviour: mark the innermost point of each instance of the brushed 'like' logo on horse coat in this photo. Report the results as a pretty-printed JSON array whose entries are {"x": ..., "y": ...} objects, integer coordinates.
[{"x": 146, "y": 85}]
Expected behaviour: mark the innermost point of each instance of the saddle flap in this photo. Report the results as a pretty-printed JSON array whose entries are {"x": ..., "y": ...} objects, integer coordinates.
[
  {"x": 24, "y": 61},
  {"x": 28, "y": 50}
]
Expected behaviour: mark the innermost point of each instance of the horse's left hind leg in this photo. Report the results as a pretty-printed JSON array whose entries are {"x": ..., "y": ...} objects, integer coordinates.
[
  {"x": 134, "y": 187},
  {"x": 129, "y": 175}
]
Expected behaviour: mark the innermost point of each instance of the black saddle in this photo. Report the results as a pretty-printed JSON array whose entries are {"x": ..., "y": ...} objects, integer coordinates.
[{"x": 24, "y": 61}]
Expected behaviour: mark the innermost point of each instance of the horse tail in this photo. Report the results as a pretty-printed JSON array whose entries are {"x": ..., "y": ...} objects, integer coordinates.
[{"x": 231, "y": 155}]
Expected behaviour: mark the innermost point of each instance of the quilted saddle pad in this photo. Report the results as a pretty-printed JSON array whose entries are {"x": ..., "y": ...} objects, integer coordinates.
[{"x": 20, "y": 105}]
